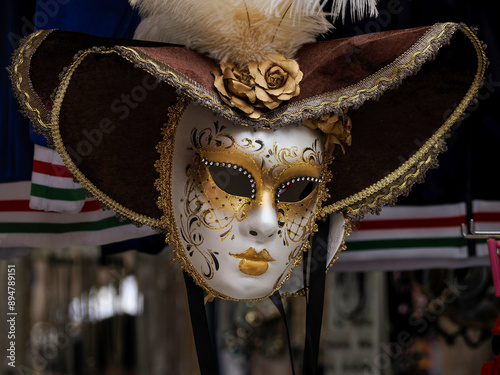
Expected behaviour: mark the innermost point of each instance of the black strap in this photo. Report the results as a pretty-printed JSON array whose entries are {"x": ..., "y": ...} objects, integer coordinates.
[
  {"x": 201, "y": 332},
  {"x": 315, "y": 296},
  {"x": 276, "y": 298}
]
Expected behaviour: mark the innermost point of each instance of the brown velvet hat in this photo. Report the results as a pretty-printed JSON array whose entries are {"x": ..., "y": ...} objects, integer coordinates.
[{"x": 102, "y": 103}]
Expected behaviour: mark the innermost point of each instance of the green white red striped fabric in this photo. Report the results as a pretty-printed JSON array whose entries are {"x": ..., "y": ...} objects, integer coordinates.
[
  {"x": 52, "y": 186},
  {"x": 21, "y": 226},
  {"x": 52, "y": 211},
  {"x": 415, "y": 237}
]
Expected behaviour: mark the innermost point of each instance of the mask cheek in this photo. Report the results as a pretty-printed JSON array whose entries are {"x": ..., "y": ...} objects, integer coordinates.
[{"x": 296, "y": 220}]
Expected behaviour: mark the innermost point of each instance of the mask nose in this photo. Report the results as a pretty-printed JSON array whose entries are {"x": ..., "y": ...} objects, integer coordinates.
[{"x": 261, "y": 223}]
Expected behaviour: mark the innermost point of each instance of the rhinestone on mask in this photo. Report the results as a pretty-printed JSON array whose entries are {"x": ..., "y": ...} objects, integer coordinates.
[
  {"x": 295, "y": 179},
  {"x": 235, "y": 167}
]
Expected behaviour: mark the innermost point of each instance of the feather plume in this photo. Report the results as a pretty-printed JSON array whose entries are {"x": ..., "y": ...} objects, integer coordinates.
[
  {"x": 358, "y": 8},
  {"x": 239, "y": 31}
]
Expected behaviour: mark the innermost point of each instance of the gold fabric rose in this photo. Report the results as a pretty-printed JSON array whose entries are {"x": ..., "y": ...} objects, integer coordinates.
[
  {"x": 336, "y": 127},
  {"x": 259, "y": 86}
]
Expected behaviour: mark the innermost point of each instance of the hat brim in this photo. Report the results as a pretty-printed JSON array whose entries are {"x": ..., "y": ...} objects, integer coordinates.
[{"x": 102, "y": 103}]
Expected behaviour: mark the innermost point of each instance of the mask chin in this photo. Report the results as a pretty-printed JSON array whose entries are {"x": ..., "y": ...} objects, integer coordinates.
[{"x": 243, "y": 202}]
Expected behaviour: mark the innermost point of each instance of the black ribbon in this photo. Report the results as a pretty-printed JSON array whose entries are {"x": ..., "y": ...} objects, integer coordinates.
[
  {"x": 276, "y": 299},
  {"x": 199, "y": 322},
  {"x": 315, "y": 296}
]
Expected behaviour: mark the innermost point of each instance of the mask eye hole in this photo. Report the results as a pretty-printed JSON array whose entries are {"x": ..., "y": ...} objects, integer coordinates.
[
  {"x": 296, "y": 189},
  {"x": 231, "y": 178}
]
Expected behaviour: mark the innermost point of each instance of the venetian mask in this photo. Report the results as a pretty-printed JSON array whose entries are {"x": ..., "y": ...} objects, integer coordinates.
[{"x": 243, "y": 202}]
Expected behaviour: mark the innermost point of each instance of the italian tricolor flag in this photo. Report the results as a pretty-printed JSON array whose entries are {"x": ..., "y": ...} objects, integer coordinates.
[
  {"x": 416, "y": 237},
  {"x": 52, "y": 211}
]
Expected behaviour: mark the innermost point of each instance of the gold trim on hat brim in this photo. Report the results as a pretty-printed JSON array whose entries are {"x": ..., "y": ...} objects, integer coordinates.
[
  {"x": 296, "y": 112},
  {"x": 106, "y": 201},
  {"x": 31, "y": 103},
  {"x": 386, "y": 190}
]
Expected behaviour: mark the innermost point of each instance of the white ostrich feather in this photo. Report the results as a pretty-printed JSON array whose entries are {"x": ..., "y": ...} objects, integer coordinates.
[
  {"x": 358, "y": 9},
  {"x": 239, "y": 31}
]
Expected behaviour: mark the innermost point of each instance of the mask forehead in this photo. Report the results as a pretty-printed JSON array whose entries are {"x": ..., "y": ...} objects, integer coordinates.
[{"x": 241, "y": 246}]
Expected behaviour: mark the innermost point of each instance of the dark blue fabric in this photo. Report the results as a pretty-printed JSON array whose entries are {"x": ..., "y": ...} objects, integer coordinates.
[
  {"x": 16, "y": 150},
  {"x": 113, "y": 18}
]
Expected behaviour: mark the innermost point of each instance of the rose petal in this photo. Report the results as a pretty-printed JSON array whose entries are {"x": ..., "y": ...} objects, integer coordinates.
[
  {"x": 276, "y": 69},
  {"x": 227, "y": 65},
  {"x": 260, "y": 80},
  {"x": 272, "y": 105},
  {"x": 238, "y": 88},
  {"x": 226, "y": 100},
  {"x": 299, "y": 76},
  {"x": 216, "y": 72},
  {"x": 264, "y": 66},
  {"x": 288, "y": 88},
  {"x": 219, "y": 85},
  {"x": 241, "y": 104},
  {"x": 255, "y": 114},
  {"x": 330, "y": 117},
  {"x": 253, "y": 69},
  {"x": 285, "y": 97},
  {"x": 262, "y": 95},
  {"x": 275, "y": 92},
  {"x": 290, "y": 66},
  {"x": 327, "y": 127},
  {"x": 228, "y": 74},
  {"x": 251, "y": 96},
  {"x": 276, "y": 57}
]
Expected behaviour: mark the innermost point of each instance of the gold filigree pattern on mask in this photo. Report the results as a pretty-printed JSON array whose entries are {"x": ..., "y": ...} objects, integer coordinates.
[
  {"x": 296, "y": 219},
  {"x": 262, "y": 161},
  {"x": 208, "y": 205}
]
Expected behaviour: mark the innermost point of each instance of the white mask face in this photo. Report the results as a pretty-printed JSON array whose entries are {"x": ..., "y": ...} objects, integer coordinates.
[{"x": 243, "y": 202}]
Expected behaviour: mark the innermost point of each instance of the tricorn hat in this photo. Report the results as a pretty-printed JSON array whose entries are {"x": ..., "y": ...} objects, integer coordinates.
[{"x": 102, "y": 103}]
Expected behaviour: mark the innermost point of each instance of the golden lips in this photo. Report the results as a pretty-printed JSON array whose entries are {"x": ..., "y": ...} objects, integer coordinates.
[{"x": 253, "y": 263}]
